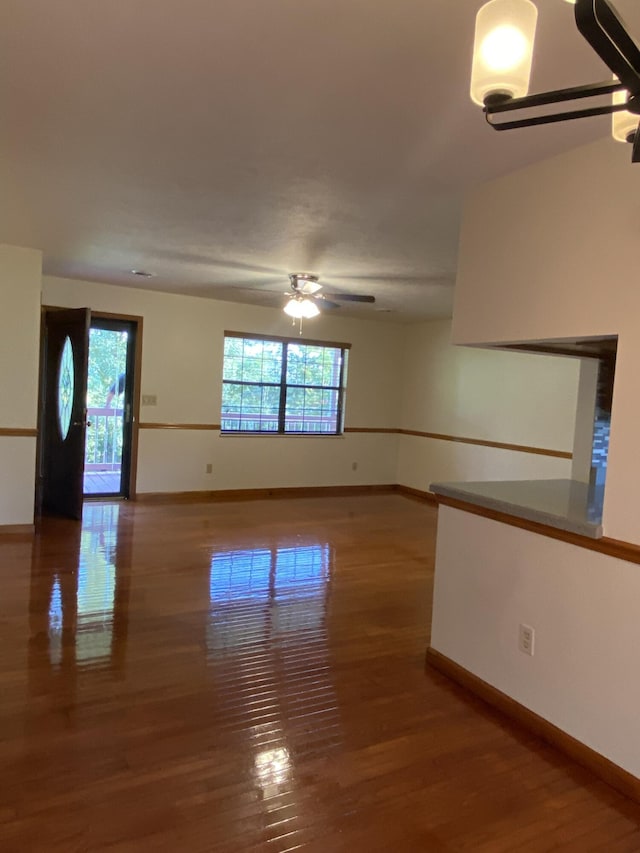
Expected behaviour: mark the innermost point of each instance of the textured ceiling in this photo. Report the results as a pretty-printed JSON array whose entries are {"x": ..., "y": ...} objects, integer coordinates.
[{"x": 222, "y": 145}]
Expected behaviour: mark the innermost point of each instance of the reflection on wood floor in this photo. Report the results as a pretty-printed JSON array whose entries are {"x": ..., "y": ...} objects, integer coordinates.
[{"x": 250, "y": 676}]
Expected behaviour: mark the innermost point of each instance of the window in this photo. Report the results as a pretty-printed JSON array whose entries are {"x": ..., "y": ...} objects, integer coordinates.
[{"x": 279, "y": 385}]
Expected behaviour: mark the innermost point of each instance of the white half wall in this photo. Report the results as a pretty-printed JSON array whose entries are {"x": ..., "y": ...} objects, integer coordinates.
[{"x": 583, "y": 606}]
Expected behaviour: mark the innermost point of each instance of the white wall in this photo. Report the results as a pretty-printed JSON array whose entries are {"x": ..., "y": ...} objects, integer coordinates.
[
  {"x": 500, "y": 396},
  {"x": 550, "y": 252},
  {"x": 585, "y": 419},
  {"x": 20, "y": 278},
  {"x": 182, "y": 365},
  {"x": 583, "y": 606},
  {"x": 508, "y": 397}
]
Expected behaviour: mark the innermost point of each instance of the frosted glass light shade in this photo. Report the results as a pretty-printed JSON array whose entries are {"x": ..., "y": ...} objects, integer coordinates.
[
  {"x": 301, "y": 309},
  {"x": 503, "y": 49},
  {"x": 293, "y": 309},
  {"x": 624, "y": 125}
]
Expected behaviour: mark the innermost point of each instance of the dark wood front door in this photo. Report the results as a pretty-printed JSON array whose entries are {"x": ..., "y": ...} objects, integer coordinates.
[{"x": 65, "y": 419}]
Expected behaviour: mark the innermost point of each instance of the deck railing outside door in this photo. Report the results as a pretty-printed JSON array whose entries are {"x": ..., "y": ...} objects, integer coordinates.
[{"x": 103, "y": 450}]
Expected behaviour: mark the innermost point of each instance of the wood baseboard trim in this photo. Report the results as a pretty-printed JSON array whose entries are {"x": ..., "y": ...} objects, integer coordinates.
[
  {"x": 17, "y": 529},
  {"x": 600, "y": 766},
  {"x": 417, "y": 494},
  {"x": 262, "y": 494}
]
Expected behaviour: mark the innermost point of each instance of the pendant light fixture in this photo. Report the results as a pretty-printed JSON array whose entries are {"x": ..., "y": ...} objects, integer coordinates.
[{"x": 503, "y": 49}]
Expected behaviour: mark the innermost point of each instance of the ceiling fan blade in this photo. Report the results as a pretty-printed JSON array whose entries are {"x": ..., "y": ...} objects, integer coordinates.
[
  {"x": 323, "y": 302},
  {"x": 353, "y": 297}
]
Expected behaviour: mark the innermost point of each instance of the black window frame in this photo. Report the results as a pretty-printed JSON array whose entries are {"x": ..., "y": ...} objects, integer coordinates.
[{"x": 283, "y": 385}]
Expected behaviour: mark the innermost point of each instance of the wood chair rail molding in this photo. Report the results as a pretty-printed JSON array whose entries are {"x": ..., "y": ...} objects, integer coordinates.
[
  {"x": 437, "y": 436},
  {"x": 380, "y": 430},
  {"x": 481, "y": 442},
  {"x": 18, "y": 432},
  {"x": 160, "y": 425}
]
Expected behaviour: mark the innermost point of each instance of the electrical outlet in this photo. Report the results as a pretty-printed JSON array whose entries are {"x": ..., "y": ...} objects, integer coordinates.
[
  {"x": 149, "y": 400},
  {"x": 354, "y": 466},
  {"x": 209, "y": 468},
  {"x": 527, "y": 639}
]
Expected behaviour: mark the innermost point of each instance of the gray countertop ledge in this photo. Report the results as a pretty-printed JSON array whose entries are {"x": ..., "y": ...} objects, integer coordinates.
[{"x": 565, "y": 504}]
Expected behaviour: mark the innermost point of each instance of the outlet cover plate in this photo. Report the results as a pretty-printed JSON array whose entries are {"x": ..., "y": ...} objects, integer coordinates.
[{"x": 526, "y": 639}]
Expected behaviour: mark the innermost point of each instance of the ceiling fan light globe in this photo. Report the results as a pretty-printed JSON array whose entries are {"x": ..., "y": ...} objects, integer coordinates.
[
  {"x": 503, "y": 49},
  {"x": 309, "y": 309},
  {"x": 292, "y": 308},
  {"x": 301, "y": 309}
]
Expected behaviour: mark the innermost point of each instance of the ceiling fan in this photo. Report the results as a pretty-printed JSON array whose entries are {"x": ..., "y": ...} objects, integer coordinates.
[{"x": 305, "y": 299}]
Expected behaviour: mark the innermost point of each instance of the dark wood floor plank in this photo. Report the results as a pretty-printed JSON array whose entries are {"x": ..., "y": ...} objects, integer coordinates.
[{"x": 250, "y": 676}]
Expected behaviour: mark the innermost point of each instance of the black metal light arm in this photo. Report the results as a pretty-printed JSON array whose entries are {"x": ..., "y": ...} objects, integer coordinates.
[
  {"x": 600, "y": 25},
  {"x": 558, "y": 96}
]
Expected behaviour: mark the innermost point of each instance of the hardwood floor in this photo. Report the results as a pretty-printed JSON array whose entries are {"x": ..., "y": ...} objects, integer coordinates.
[{"x": 250, "y": 676}]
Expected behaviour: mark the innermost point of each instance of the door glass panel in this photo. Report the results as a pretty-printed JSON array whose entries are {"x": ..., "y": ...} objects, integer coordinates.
[
  {"x": 66, "y": 383},
  {"x": 106, "y": 388}
]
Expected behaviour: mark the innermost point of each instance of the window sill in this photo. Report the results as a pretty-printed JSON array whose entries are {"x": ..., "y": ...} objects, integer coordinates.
[{"x": 246, "y": 434}]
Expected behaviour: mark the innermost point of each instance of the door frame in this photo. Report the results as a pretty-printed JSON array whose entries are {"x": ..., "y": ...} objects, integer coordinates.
[{"x": 137, "y": 321}]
